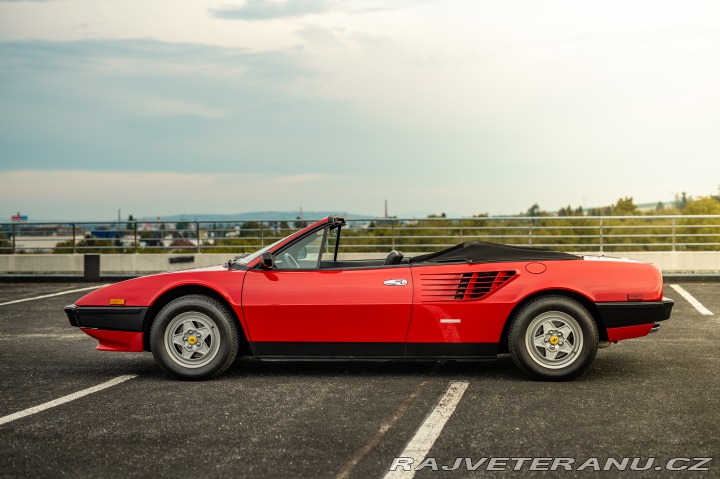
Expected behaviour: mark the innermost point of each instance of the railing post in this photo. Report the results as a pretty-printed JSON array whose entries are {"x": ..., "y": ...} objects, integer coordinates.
[
  {"x": 262, "y": 236},
  {"x": 673, "y": 234},
  {"x": 601, "y": 235},
  {"x": 13, "y": 239},
  {"x": 530, "y": 228},
  {"x": 461, "y": 232},
  {"x": 393, "y": 234},
  {"x": 197, "y": 236},
  {"x": 136, "y": 236},
  {"x": 74, "y": 249}
]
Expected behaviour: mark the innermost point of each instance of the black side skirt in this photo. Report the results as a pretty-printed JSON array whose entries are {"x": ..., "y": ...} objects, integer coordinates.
[{"x": 373, "y": 350}]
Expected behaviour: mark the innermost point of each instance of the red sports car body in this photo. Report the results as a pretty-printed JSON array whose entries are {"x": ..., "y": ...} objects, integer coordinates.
[{"x": 295, "y": 299}]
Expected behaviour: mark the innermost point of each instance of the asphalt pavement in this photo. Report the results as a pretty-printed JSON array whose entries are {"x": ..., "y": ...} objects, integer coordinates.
[{"x": 656, "y": 397}]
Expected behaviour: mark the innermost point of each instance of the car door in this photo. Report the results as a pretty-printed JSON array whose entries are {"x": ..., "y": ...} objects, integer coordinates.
[
  {"x": 296, "y": 308},
  {"x": 351, "y": 312}
]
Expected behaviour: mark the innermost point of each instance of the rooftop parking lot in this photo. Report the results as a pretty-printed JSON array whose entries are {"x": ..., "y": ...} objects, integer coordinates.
[{"x": 652, "y": 397}]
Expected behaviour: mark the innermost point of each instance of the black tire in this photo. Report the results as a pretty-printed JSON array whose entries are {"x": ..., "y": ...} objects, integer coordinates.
[
  {"x": 565, "y": 328},
  {"x": 208, "y": 332}
]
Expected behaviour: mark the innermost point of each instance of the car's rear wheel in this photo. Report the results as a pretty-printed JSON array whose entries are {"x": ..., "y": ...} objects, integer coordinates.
[
  {"x": 553, "y": 338},
  {"x": 194, "y": 337}
]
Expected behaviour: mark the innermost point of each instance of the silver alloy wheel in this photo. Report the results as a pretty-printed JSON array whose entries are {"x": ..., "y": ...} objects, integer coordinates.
[
  {"x": 192, "y": 339},
  {"x": 554, "y": 339}
]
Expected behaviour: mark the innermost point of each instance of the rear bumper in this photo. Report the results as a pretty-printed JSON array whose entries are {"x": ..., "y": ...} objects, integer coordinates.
[
  {"x": 618, "y": 315},
  {"x": 633, "y": 319}
]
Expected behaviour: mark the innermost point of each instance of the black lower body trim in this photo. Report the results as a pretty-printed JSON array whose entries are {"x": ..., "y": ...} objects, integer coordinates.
[
  {"x": 114, "y": 318},
  {"x": 451, "y": 350},
  {"x": 337, "y": 350},
  {"x": 619, "y": 315},
  {"x": 373, "y": 350}
]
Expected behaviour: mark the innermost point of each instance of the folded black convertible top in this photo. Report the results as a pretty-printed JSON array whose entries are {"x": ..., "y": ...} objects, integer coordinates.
[{"x": 482, "y": 252}]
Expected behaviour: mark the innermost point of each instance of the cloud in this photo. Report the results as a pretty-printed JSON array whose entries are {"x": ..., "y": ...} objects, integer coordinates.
[
  {"x": 269, "y": 10},
  {"x": 319, "y": 36},
  {"x": 258, "y": 10},
  {"x": 113, "y": 55},
  {"x": 144, "y": 104},
  {"x": 300, "y": 179}
]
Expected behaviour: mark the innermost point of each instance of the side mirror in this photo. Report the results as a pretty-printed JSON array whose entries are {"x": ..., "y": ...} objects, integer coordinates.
[
  {"x": 302, "y": 254},
  {"x": 267, "y": 260}
]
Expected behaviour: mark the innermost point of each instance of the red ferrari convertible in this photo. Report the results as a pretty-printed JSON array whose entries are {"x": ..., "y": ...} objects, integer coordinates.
[{"x": 295, "y": 299}]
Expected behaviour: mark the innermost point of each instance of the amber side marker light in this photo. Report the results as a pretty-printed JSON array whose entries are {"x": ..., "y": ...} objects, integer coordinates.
[{"x": 117, "y": 302}]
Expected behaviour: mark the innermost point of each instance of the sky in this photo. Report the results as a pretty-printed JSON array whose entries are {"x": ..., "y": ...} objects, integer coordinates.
[{"x": 457, "y": 106}]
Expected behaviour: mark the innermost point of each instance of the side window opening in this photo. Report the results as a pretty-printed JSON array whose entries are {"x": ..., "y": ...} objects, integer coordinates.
[{"x": 307, "y": 253}]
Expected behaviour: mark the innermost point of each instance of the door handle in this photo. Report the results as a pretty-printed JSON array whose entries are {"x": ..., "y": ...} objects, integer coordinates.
[{"x": 395, "y": 282}]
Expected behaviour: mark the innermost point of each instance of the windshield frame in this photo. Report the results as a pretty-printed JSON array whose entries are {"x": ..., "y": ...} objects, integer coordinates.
[
  {"x": 253, "y": 256},
  {"x": 252, "y": 260}
]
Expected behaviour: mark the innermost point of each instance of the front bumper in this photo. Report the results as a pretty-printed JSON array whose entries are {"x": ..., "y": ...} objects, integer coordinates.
[
  {"x": 113, "y": 318},
  {"x": 117, "y": 328}
]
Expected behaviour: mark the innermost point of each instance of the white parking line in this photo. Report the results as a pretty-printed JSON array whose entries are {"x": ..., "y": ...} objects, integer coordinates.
[
  {"x": 427, "y": 434},
  {"x": 64, "y": 399},
  {"x": 54, "y": 294},
  {"x": 696, "y": 304}
]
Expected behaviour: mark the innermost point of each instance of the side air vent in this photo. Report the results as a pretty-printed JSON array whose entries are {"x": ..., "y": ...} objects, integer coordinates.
[{"x": 461, "y": 286}]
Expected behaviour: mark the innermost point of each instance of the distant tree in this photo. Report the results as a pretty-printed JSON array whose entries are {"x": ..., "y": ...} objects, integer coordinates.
[
  {"x": 90, "y": 244},
  {"x": 152, "y": 239},
  {"x": 441, "y": 215},
  {"x": 625, "y": 207},
  {"x": 536, "y": 211},
  {"x": 702, "y": 206},
  {"x": 660, "y": 206},
  {"x": 700, "y": 235},
  {"x": 130, "y": 222},
  {"x": 602, "y": 211},
  {"x": 566, "y": 211},
  {"x": 682, "y": 200},
  {"x": 250, "y": 228},
  {"x": 5, "y": 246},
  {"x": 182, "y": 229}
]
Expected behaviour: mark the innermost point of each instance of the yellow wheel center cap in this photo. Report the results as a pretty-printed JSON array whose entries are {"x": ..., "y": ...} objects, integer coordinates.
[
  {"x": 553, "y": 340},
  {"x": 192, "y": 340}
]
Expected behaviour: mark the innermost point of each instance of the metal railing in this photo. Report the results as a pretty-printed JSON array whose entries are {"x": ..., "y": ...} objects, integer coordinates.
[{"x": 570, "y": 233}]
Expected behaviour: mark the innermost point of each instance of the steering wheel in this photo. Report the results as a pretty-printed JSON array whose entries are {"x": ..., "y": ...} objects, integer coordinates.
[{"x": 290, "y": 261}]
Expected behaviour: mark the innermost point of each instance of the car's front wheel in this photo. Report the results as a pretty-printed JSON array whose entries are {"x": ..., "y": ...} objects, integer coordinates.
[
  {"x": 194, "y": 337},
  {"x": 553, "y": 338}
]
